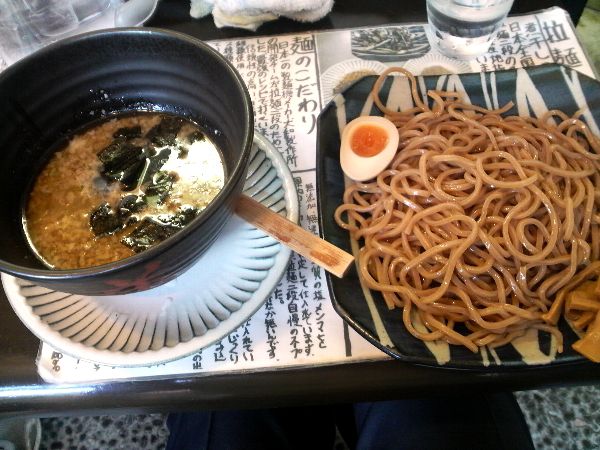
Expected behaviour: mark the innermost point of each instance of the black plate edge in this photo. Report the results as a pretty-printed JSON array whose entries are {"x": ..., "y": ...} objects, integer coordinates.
[{"x": 464, "y": 366}]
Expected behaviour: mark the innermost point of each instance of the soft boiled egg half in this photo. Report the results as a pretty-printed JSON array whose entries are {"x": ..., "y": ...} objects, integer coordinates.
[{"x": 369, "y": 144}]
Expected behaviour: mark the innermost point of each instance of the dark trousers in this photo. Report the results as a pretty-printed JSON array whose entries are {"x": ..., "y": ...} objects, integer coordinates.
[{"x": 486, "y": 422}]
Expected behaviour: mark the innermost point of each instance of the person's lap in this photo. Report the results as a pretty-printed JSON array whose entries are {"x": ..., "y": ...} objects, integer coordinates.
[{"x": 466, "y": 422}]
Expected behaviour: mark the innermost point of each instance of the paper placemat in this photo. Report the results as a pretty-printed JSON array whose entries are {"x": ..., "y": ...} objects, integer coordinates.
[{"x": 290, "y": 79}]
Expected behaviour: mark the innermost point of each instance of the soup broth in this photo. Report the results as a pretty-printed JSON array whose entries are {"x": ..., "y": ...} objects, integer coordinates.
[{"x": 120, "y": 187}]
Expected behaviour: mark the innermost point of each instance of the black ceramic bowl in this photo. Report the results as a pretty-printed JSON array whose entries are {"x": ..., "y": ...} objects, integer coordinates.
[{"x": 48, "y": 95}]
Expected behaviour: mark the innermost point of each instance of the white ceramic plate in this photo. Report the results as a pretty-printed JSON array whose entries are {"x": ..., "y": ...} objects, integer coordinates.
[
  {"x": 339, "y": 76},
  {"x": 210, "y": 300},
  {"x": 434, "y": 63}
]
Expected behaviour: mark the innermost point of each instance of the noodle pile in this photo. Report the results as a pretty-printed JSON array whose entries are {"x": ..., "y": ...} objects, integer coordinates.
[{"x": 479, "y": 220}]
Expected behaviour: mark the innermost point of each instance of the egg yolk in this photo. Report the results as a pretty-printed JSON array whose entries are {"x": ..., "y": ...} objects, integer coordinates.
[{"x": 368, "y": 140}]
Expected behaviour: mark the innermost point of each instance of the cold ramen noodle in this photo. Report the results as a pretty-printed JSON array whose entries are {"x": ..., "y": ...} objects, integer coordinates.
[
  {"x": 483, "y": 224},
  {"x": 119, "y": 187}
]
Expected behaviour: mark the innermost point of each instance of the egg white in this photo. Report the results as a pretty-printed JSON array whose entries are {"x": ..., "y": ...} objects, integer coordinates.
[{"x": 362, "y": 168}]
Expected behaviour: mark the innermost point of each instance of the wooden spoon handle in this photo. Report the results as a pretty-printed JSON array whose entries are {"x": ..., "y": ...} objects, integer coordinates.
[{"x": 303, "y": 242}]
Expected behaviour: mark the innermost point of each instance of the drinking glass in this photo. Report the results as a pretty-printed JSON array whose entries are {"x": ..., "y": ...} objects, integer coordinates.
[
  {"x": 464, "y": 29},
  {"x": 26, "y": 25}
]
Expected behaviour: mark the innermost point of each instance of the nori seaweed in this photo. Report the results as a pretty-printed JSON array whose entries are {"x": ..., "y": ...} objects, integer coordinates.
[
  {"x": 130, "y": 204},
  {"x": 160, "y": 187},
  {"x": 103, "y": 220},
  {"x": 127, "y": 162},
  {"x": 128, "y": 132},
  {"x": 135, "y": 165},
  {"x": 156, "y": 162},
  {"x": 165, "y": 132},
  {"x": 194, "y": 136},
  {"x": 122, "y": 161},
  {"x": 147, "y": 234},
  {"x": 184, "y": 215},
  {"x": 182, "y": 152},
  {"x": 151, "y": 231}
]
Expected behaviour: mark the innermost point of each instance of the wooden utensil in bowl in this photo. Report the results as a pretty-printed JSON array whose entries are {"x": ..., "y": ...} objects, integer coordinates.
[{"x": 303, "y": 242}]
